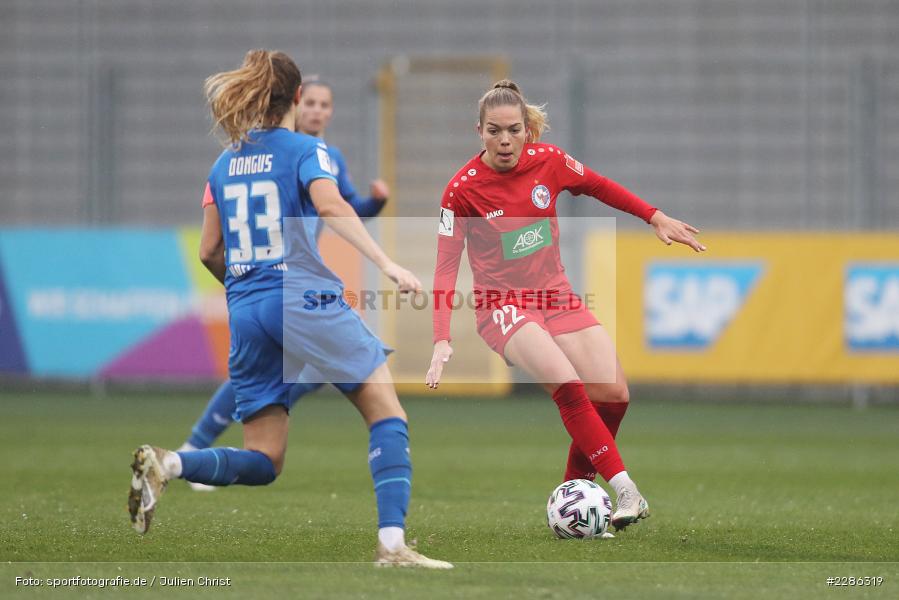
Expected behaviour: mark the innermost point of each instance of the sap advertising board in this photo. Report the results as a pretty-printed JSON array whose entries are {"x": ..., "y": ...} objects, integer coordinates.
[
  {"x": 688, "y": 305},
  {"x": 872, "y": 307}
]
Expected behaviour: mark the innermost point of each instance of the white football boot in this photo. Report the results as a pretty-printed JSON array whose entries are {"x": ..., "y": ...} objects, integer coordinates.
[
  {"x": 631, "y": 508},
  {"x": 148, "y": 482},
  {"x": 201, "y": 487},
  {"x": 407, "y": 557}
]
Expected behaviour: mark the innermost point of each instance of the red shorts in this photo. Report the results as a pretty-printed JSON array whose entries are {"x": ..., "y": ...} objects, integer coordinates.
[{"x": 498, "y": 324}]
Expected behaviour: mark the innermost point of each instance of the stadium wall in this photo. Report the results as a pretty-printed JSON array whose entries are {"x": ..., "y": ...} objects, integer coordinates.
[{"x": 729, "y": 113}]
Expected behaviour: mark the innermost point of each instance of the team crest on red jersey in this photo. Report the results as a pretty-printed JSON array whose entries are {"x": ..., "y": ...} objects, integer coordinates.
[{"x": 540, "y": 196}]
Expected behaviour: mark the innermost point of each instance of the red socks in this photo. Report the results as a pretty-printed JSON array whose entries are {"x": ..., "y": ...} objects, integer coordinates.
[
  {"x": 591, "y": 436},
  {"x": 612, "y": 413},
  {"x": 578, "y": 467}
]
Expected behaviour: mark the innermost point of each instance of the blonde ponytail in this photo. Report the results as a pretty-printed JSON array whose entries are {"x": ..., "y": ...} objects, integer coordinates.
[
  {"x": 258, "y": 94},
  {"x": 537, "y": 121}
]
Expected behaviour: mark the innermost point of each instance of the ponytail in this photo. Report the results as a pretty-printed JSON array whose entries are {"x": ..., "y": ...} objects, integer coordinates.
[{"x": 258, "y": 94}]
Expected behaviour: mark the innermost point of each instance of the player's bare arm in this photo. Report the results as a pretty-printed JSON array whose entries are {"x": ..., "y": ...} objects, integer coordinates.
[
  {"x": 341, "y": 217},
  {"x": 212, "y": 244},
  {"x": 671, "y": 230}
]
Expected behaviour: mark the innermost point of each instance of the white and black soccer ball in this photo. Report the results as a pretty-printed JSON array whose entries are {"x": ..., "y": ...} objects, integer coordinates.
[{"x": 578, "y": 509}]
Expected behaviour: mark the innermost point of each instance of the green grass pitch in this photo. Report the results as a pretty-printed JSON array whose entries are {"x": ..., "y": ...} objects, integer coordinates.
[{"x": 748, "y": 501}]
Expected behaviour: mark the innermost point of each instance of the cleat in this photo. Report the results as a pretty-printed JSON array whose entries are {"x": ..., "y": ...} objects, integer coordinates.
[
  {"x": 201, "y": 487},
  {"x": 631, "y": 508},
  {"x": 407, "y": 557},
  {"x": 148, "y": 481},
  {"x": 607, "y": 535}
]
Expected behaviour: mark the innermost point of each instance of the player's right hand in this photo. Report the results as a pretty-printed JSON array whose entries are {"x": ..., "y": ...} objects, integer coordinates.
[
  {"x": 404, "y": 279},
  {"x": 379, "y": 190},
  {"x": 442, "y": 354}
]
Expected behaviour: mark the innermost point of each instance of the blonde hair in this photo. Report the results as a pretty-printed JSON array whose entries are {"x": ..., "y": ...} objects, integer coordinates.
[
  {"x": 258, "y": 94},
  {"x": 506, "y": 92}
]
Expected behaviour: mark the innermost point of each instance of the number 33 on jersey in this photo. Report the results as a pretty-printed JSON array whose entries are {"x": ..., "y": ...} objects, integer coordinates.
[{"x": 255, "y": 188}]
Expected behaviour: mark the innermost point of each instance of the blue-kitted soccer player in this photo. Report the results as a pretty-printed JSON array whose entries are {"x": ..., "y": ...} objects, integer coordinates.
[
  {"x": 313, "y": 117},
  {"x": 267, "y": 175}
]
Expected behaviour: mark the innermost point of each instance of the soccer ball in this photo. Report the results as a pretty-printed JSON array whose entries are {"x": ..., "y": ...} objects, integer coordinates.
[{"x": 578, "y": 509}]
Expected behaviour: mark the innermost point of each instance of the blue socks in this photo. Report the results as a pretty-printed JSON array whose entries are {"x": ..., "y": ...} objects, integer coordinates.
[
  {"x": 388, "y": 458},
  {"x": 226, "y": 466},
  {"x": 391, "y": 470},
  {"x": 216, "y": 418}
]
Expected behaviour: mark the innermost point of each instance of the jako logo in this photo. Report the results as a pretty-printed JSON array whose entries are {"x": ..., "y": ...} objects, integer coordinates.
[
  {"x": 871, "y": 317},
  {"x": 495, "y": 213},
  {"x": 688, "y": 305},
  {"x": 599, "y": 452}
]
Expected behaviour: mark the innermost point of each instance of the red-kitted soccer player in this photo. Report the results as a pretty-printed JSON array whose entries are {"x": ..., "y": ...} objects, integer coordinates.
[{"x": 502, "y": 203}]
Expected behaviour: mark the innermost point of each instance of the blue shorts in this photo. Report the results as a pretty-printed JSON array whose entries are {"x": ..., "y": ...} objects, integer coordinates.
[
  {"x": 310, "y": 380},
  {"x": 272, "y": 344}
]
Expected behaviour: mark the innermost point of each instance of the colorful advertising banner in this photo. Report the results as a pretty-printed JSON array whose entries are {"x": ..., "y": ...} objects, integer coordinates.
[
  {"x": 80, "y": 303},
  {"x": 119, "y": 303},
  {"x": 12, "y": 357},
  {"x": 757, "y": 307}
]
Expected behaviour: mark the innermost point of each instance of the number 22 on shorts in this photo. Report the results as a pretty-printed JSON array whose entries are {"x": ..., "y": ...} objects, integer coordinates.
[{"x": 499, "y": 317}]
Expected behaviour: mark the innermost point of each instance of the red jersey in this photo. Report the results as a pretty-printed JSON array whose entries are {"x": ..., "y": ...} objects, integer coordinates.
[{"x": 508, "y": 220}]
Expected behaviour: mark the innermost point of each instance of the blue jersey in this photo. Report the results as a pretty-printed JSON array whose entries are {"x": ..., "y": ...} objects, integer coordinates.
[
  {"x": 364, "y": 207},
  {"x": 256, "y": 188}
]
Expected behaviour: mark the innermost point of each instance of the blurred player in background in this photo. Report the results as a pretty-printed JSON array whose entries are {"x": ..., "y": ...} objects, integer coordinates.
[
  {"x": 502, "y": 204},
  {"x": 313, "y": 117},
  {"x": 266, "y": 174}
]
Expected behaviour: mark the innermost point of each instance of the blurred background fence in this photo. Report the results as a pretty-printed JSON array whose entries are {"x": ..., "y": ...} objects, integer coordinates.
[{"x": 752, "y": 115}]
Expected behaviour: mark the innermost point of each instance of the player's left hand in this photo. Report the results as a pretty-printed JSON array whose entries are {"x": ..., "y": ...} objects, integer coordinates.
[
  {"x": 403, "y": 278},
  {"x": 442, "y": 353},
  {"x": 671, "y": 230},
  {"x": 379, "y": 190}
]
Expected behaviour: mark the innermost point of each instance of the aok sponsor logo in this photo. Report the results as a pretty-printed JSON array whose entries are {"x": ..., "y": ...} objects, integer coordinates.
[
  {"x": 688, "y": 306},
  {"x": 871, "y": 303},
  {"x": 527, "y": 240}
]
